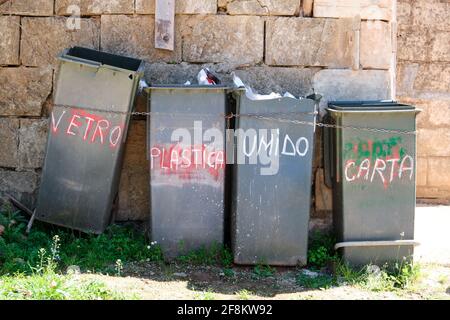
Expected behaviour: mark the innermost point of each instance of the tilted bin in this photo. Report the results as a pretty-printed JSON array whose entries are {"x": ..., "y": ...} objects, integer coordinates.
[
  {"x": 94, "y": 95},
  {"x": 186, "y": 149},
  {"x": 272, "y": 188},
  {"x": 370, "y": 161}
]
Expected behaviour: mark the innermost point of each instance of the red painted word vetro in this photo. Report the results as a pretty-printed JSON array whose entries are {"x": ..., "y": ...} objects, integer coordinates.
[{"x": 87, "y": 126}]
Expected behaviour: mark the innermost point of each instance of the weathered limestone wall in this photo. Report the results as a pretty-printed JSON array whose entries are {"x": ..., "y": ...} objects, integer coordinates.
[
  {"x": 424, "y": 80},
  {"x": 343, "y": 49}
]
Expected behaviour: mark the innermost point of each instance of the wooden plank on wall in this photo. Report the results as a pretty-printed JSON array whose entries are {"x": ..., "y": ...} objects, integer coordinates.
[
  {"x": 165, "y": 24},
  {"x": 307, "y": 8}
]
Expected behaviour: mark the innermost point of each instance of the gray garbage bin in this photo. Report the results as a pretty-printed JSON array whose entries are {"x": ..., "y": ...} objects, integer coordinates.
[
  {"x": 94, "y": 95},
  {"x": 370, "y": 156},
  {"x": 187, "y": 176},
  {"x": 272, "y": 188}
]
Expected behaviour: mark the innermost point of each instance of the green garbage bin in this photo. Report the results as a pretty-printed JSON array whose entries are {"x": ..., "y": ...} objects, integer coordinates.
[
  {"x": 94, "y": 96},
  {"x": 272, "y": 178},
  {"x": 370, "y": 161},
  {"x": 186, "y": 142}
]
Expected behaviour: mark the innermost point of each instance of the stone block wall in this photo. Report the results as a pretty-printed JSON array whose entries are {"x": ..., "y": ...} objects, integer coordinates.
[
  {"x": 423, "y": 79},
  {"x": 343, "y": 49}
]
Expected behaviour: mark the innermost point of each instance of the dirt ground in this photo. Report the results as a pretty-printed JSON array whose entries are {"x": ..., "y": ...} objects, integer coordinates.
[
  {"x": 160, "y": 281},
  {"x": 152, "y": 281}
]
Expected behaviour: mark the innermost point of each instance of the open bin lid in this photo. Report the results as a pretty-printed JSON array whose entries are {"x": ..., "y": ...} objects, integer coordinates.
[{"x": 95, "y": 58}]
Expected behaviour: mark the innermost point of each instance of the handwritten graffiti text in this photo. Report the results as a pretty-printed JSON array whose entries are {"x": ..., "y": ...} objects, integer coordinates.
[
  {"x": 87, "y": 127},
  {"x": 377, "y": 160}
]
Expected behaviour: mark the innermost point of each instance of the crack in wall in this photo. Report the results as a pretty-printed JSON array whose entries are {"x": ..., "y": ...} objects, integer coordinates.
[{"x": 263, "y": 6}]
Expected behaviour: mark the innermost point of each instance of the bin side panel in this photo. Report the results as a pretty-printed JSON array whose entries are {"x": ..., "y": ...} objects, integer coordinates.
[
  {"x": 271, "y": 212},
  {"x": 187, "y": 178},
  {"x": 83, "y": 158}
]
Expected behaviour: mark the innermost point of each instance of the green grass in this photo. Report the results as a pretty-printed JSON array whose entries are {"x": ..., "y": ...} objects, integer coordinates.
[
  {"x": 53, "y": 286},
  {"x": 95, "y": 253},
  {"x": 216, "y": 254},
  {"x": 263, "y": 270},
  {"x": 32, "y": 266},
  {"x": 244, "y": 294},
  {"x": 228, "y": 272},
  {"x": 321, "y": 250},
  {"x": 205, "y": 295},
  {"x": 443, "y": 279},
  {"x": 44, "y": 282},
  {"x": 322, "y": 281},
  {"x": 387, "y": 278},
  {"x": 321, "y": 254}
]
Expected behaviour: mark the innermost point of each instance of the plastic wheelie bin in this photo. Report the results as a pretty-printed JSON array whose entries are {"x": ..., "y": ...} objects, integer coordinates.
[
  {"x": 186, "y": 149},
  {"x": 272, "y": 178},
  {"x": 94, "y": 96},
  {"x": 370, "y": 161}
]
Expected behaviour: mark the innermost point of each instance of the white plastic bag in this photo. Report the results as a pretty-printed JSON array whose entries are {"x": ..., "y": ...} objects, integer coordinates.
[
  {"x": 142, "y": 85},
  {"x": 206, "y": 77},
  {"x": 256, "y": 96}
]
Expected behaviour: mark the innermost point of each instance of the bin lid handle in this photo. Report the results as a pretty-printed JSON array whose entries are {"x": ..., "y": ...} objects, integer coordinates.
[
  {"x": 81, "y": 61},
  {"x": 376, "y": 243}
]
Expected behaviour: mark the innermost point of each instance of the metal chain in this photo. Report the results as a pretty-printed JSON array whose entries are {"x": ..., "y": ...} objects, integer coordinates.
[
  {"x": 275, "y": 116},
  {"x": 382, "y": 130},
  {"x": 328, "y": 125},
  {"x": 144, "y": 113}
]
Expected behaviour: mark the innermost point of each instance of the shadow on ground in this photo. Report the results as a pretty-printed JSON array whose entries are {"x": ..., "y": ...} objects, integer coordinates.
[{"x": 213, "y": 279}]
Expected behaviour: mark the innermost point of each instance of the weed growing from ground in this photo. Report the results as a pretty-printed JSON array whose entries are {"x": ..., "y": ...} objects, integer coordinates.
[
  {"x": 322, "y": 281},
  {"x": 387, "y": 278},
  {"x": 321, "y": 250},
  {"x": 243, "y": 294},
  {"x": 216, "y": 254},
  {"x": 228, "y": 272},
  {"x": 45, "y": 283},
  {"x": 19, "y": 251},
  {"x": 263, "y": 270},
  {"x": 205, "y": 295},
  {"x": 119, "y": 267}
]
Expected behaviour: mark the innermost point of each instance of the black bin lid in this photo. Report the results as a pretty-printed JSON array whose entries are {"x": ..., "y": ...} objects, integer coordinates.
[
  {"x": 368, "y": 105},
  {"x": 104, "y": 58}
]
